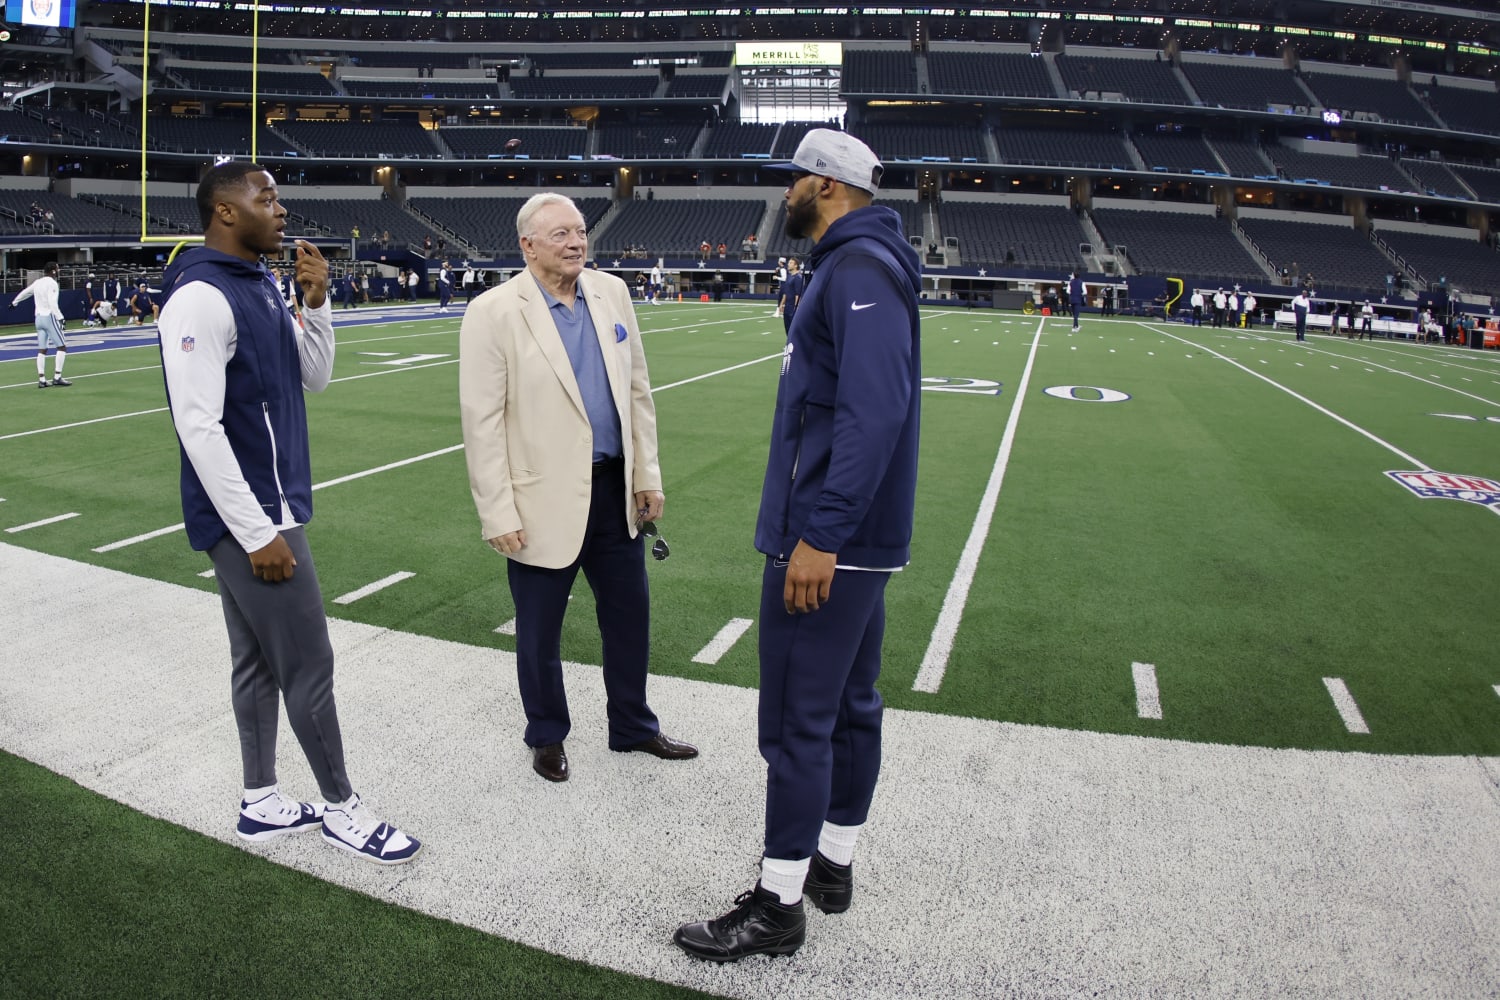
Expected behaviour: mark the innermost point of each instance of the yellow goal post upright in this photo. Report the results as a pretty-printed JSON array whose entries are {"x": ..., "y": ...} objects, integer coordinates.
[{"x": 145, "y": 94}]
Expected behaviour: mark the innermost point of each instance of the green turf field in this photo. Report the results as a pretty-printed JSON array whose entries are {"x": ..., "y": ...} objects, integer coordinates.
[
  {"x": 1239, "y": 539},
  {"x": 1243, "y": 542}
]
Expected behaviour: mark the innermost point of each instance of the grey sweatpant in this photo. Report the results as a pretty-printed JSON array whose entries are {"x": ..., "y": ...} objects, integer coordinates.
[{"x": 278, "y": 645}]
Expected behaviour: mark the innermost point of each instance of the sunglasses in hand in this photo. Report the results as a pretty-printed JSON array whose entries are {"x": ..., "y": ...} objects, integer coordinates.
[{"x": 659, "y": 550}]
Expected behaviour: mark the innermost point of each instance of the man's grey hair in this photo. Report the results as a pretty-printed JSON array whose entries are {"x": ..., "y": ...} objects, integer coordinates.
[{"x": 535, "y": 204}]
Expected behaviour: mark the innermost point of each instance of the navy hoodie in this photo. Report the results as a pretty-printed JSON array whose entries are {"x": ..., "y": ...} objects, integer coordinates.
[
  {"x": 842, "y": 473},
  {"x": 265, "y": 416}
]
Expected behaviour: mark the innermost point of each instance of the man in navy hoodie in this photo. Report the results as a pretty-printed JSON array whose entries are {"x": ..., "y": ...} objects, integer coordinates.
[
  {"x": 835, "y": 522},
  {"x": 236, "y": 366}
]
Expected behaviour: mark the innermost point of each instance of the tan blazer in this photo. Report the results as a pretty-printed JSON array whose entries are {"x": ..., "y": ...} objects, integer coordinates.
[{"x": 527, "y": 437}]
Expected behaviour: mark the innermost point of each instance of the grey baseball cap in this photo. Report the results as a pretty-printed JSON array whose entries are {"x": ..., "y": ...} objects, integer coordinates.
[{"x": 838, "y": 155}]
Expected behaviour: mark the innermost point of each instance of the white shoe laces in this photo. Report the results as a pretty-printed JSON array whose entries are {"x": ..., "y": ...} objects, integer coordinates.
[
  {"x": 355, "y": 824},
  {"x": 276, "y": 808}
]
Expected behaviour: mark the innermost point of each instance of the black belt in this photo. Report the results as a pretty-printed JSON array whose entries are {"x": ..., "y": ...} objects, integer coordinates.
[{"x": 609, "y": 465}]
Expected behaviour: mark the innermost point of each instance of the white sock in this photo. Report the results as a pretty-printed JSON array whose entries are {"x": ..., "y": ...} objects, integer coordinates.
[
  {"x": 254, "y": 795},
  {"x": 57, "y": 363},
  {"x": 345, "y": 805},
  {"x": 41, "y": 366},
  {"x": 784, "y": 878},
  {"x": 836, "y": 843}
]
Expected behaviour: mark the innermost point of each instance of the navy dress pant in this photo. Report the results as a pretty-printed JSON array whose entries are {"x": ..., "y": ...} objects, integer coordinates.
[
  {"x": 819, "y": 710},
  {"x": 614, "y": 565}
]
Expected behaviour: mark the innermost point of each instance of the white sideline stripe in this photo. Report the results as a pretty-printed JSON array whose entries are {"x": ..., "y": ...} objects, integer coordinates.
[
  {"x": 1147, "y": 697},
  {"x": 371, "y": 588},
  {"x": 723, "y": 641},
  {"x": 508, "y": 628},
  {"x": 392, "y": 371},
  {"x": 82, "y": 423},
  {"x": 207, "y": 574},
  {"x": 38, "y": 524},
  {"x": 1497, "y": 688},
  {"x": 77, "y": 375},
  {"x": 1418, "y": 463},
  {"x": 935, "y": 660},
  {"x": 1344, "y": 702},
  {"x": 721, "y": 371}
]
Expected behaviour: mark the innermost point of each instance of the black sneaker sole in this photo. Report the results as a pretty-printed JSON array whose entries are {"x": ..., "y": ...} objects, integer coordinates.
[{"x": 829, "y": 903}]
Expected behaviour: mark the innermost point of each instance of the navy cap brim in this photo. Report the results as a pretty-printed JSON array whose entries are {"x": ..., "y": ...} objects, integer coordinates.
[{"x": 790, "y": 168}]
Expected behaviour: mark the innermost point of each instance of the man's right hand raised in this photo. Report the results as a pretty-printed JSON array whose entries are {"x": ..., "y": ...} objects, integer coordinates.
[{"x": 274, "y": 562}]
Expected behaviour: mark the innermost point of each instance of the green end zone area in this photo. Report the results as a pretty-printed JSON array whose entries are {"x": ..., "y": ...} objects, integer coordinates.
[{"x": 1174, "y": 509}]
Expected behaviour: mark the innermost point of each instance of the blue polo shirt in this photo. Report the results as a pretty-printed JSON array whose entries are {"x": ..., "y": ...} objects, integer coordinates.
[{"x": 579, "y": 338}]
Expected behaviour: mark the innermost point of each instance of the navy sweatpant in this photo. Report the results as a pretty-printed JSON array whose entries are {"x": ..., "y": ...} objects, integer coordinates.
[
  {"x": 614, "y": 565},
  {"x": 819, "y": 710}
]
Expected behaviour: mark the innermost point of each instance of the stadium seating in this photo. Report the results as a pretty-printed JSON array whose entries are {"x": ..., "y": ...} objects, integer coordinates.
[
  {"x": 480, "y": 142},
  {"x": 1036, "y": 237},
  {"x": 1434, "y": 177},
  {"x": 1485, "y": 183},
  {"x": 646, "y": 142},
  {"x": 169, "y": 214},
  {"x": 1466, "y": 263},
  {"x": 587, "y": 88},
  {"x": 676, "y": 228},
  {"x": 20, "y": 126},
  {"x": 1045, "y": 147},
  {"x": 1466, "y": 110},
  {"x": 1176, "y": 153},
  {"x": 308, "y": 83},
  {"x": 1336, "y": 255},
  {"x": 210, "y": 135},
  {"x": 490, "y": 223},
  {"x": 1250, "y": 87},
  {"x": 1373, "y": 172},
  {"x": 1390, "y": 99},
  {"x": 1178, "y": 244},
  {"x": 917, "y": 142},
  {"x": 1243, "y": 158},
  {"x": 395, "y": 139},
  {"x": 736, "y": 139},
  {"x": 1140, "y": 80},
  {"x": 69, "y": 215},
  {"x": 422, "y": 87},
  {"x": 698, "y": 85},
  {"x": 339, "y": 217},
  {"x": 1006, "y": 74},
  {"x": 878, "y": 72}
]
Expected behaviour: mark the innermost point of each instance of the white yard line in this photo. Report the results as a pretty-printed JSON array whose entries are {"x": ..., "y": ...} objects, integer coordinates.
[
  {"x": 1344, "y": 702},
  {"x": 721, "y": 371},
  {"x": 81, "y": 423},
  {"x": 724, "y": 641},
  {"x": 373, "y": 588},
  {"x": 42, "y": 523},
  {"x": 1417, "y": 464},
  {"x": 940, "y": 647},
  {"x": 1147, "y": 695}
]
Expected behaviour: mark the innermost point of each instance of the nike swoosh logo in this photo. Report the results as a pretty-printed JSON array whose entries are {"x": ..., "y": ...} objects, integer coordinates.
[{"x": 857, "y": 306}]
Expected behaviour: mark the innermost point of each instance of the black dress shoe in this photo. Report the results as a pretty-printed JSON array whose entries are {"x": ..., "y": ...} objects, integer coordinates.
[
  {"x": 829, "y": 887},
  {"x": 758, "y": 925},
  {"x": 663, "y": 746},
  {"x": 550, "y": 762}
]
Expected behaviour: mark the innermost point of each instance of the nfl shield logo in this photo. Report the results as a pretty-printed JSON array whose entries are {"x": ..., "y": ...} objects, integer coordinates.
[
  {"x": 1431, "y": 485},
  {"x": 188, "y": 343}
]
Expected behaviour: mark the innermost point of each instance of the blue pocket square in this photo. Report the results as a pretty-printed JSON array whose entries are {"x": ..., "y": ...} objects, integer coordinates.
[{"x": 620, "y": 333}]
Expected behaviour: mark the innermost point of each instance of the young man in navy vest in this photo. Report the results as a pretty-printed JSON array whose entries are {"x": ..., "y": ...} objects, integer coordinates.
[
  {"x": 835, "y": 525},
  {"x": 236, "y": 366}
]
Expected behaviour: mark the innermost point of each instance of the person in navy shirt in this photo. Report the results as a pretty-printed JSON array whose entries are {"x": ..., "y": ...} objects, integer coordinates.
[{"x": 835, "y": 524}]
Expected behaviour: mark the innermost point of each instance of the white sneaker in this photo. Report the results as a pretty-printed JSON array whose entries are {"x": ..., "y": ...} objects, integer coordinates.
[
  {"x": 277, "y": 815},
  {"x": 350, "y": 826}
]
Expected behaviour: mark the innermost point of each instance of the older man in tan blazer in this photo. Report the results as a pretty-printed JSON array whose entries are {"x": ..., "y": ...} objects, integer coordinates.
[{"x": 560, "y": 437}]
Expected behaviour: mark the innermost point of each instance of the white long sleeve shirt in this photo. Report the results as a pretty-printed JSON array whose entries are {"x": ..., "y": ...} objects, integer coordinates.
[
  {"x": 196, "y": 382},
  {"x": 44, "y": 293}
]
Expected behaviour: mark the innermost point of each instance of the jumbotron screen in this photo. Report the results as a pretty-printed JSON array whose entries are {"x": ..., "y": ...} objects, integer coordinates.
[{"x": 41, "y": 13}]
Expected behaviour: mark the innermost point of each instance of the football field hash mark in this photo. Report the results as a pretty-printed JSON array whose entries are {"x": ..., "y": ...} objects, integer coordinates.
[
  {"x": 1147, "y": 695},
  {"x": 38, "y": 524},
  {"x": 371, "y": 588},
  {"x": 723, "y": 642},
  {"x": 1344, "y": 702}
]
